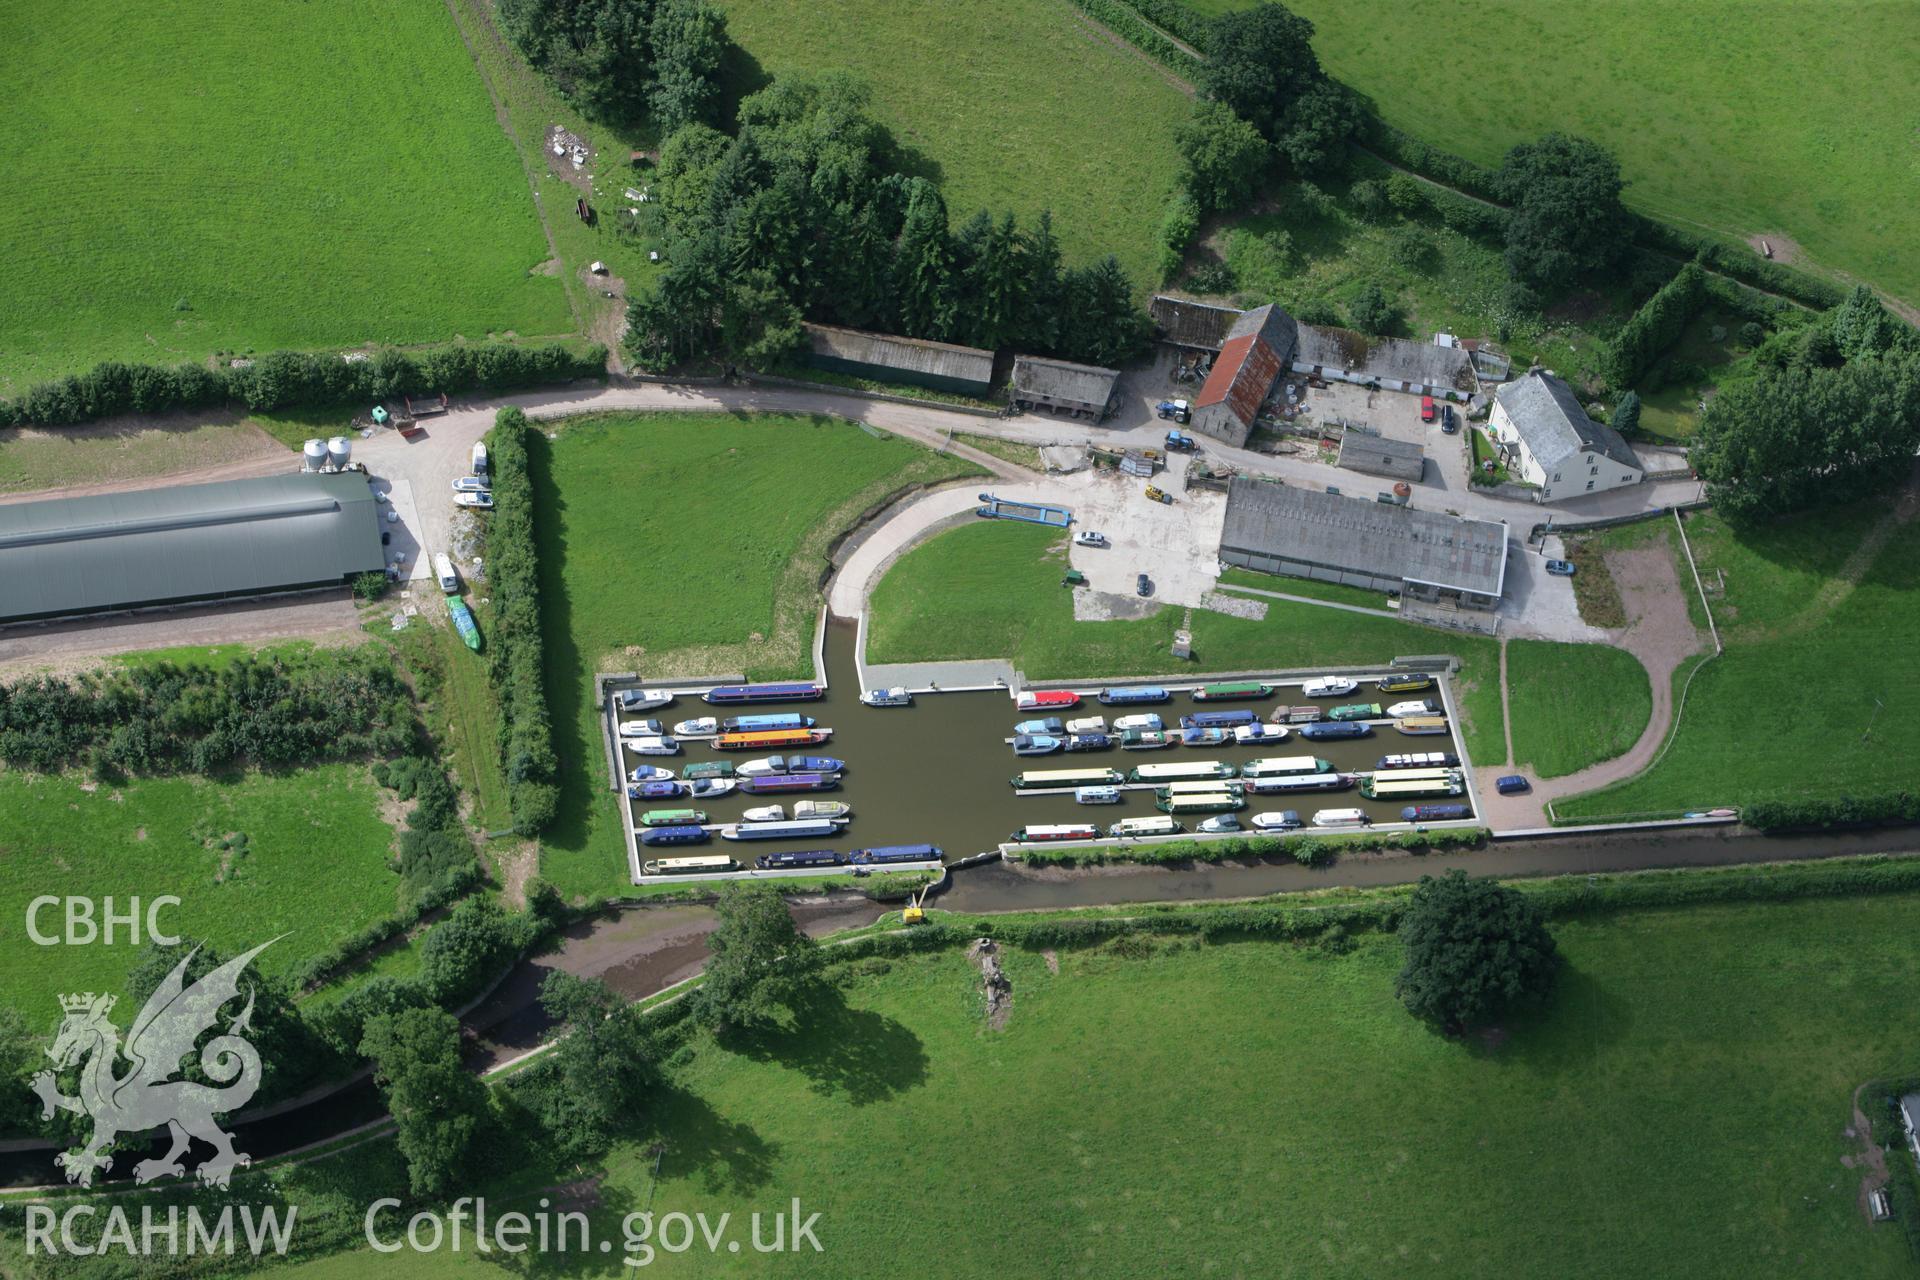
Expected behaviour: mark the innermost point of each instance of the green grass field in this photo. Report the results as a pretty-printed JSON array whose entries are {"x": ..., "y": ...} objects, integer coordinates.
[
  {"x": 1721, "y": 111},
  {"x": 194, "y": 178},
  {"x": 315, "y": 867},
  {"x": 1263, "y": 1109},
  {"x": 1818, "y": 692},
  {"x": 686, "y": 544},
  {"x": 1015, "y": 104},
  {"x": 1574, "y": 705}
]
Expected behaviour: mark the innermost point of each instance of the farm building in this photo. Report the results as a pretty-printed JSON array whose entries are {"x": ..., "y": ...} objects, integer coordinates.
[
  {"x": 1424, "y": 555},
  {"x": 1191, "y": 326},
  {"x": 1083, "y": 390},
  {"x": 187, "y": 542},
  {"x": 1382, "y": 456},
  {"x": 884, "y": 357},
  {"x": 1393, "y": 364},
  {"x": 1258, "y": 347},
  {"x": 1549, "y": 440}
]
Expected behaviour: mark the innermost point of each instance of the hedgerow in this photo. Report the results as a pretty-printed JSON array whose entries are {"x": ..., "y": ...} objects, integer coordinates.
[
  {"x": 1654, "y": 328},
  {"x": 518, "y": 661},
  {"x": 1308, "y": 850}
]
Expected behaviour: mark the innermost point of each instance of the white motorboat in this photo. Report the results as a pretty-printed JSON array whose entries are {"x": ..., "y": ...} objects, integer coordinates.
[
  {"x": 642, "y": 699},
  {"x": 805, "y": 809},
  {"x": 700, "y": 727},
  {"x": 765, "y": 813},
  {"x": 653, "y": 746},
  {"x": 894, "y": 697},
  {"x": 640, "y": 729},
  {"x": 1329, "y": 687}
]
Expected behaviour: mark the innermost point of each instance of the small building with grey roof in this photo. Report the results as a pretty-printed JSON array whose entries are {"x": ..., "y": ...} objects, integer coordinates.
[
  {"x": 1192, "y": 326},
  {"x": 1083, "y": 390},
  {"x": 233, "y": 538},
  {"x": 1424, "y": 555},
  {"x": 885, "y": 357},
  {"x": 1392, "y": 364},
  {"x": 1548, "y": 440},
  {"x": 1382, "y": 456}
]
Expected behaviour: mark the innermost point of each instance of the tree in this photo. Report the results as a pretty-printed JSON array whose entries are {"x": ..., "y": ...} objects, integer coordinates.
[
  {"x": 20, "y": 1055},
  {"x": 1261, "y": 59},
  {"x": 1626, "y": 415},
  {"x": 1474, "y": 948},
  {"x": 1222, "y": 157},
  {"x": 292, "y": 1054},
  {"x": 923, "y": 265},
  {"x": 597, "y": 51},
  {"x": 471, "y": 945},
  {"x": 992, "y": 294},
  {"x": 1103, "y": 326},
  {"x": 1566, "y": 218},
  {"x": 1369, "y": 196},
  {"x": 1046, "y": 289},
  {"x": 760, "y": 960},
  {"x": 600, "y": 1066},
  {"x": 689, "y": 39},
  {"x": 1862, "y": 328},
  {"x": 1316, "y": 125},
  {"x": 437, "y": 1105},
  {"x": 1373, "y": 311}
]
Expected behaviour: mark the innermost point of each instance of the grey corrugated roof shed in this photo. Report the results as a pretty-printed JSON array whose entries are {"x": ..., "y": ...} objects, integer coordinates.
[
  {"x": 117, "y": 550},
  {"x": 1185, "y": 323},
  {"x": 1382, "y": 455},
  {"x": 1550, "y": 419},
  {"x": 1389, "y": 359},
  {"x": 1063, "y": 380},
  {"x": 910, "y": 355},
  {"x": 1375, "y": 538}
]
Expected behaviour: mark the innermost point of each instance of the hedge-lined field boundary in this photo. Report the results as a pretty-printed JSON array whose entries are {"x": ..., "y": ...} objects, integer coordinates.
[{"x": 519, "y": 667}]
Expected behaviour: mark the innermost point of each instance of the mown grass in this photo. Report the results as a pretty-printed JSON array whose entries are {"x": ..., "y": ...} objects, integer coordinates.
[
  {"x": 1717, "y": 109},
  {"x": 685, "y": 544},
  {"x": 1818, "y": 691},
  {"x": 314, "y": 868},
  {"x": 1009, "y": 104},
  {"x": 203, "y": 180},
  {"x": 1186, "y": 1107},
  {"x": 31, "y": 460},
  {"x": 1334, "y": 592},
  {"x": 1020, "y": 455},
  {"x": 1574, "y": 705}
]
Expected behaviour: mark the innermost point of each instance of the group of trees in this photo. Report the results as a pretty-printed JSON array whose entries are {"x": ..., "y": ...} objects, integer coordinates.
[
  {"x": 1655, "y": 327},
  {"x": 518, "y": 664},
  {"x": 622, "y": 59},
  {"x": 1261, "y": 67},
  {"x": 810, "y": 211},
  {"x": 436, "y": 853},
  {"x": 1564, "y": 218}
]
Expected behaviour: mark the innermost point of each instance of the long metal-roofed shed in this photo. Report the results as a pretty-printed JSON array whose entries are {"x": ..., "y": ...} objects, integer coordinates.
[
  {"x": 111, "y": 551},
  {"x": 1382, "y": 456},
  {"x": 1195, "y": 326},
  {"x": 1305, "y": 533},
  {"x": 1083, "y": 390},
  {"x": 884, "y": 357}
]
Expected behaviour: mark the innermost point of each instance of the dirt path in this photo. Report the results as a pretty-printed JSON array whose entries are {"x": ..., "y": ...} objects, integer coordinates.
[
  {"x": 1872, "y": 1161},
  {"x": 325, "y": 618}
]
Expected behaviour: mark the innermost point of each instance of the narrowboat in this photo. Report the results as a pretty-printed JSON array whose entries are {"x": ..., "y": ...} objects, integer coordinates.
[
  {"x": 1096, "y": 795},
  {"x": 812, "y": 828},
  {"x": 754, "y": 724},
  {"x": 1253, "y": 735},
  {"x": 710, "y": 788},
  {"x": 1036, "y": 744},
  {"x": 656, "y": 790},
  {"x": 1064, "y": 779},
  {"x": 1282, "y": 784},
  {"x": 1046, "y": 700},
  {"x": 650, "y": 773},
  {"x": 783, "y": 783},
  {"x": 894, "y": 697},
  {"x": 1204, "y": 737},
  {"x": 771, "y": 738},
  {"x": 791, "y": 764},
  {"x": 1156, "y": 826},
  {"x": 1220, "y": 824},
  {"x": 673, "y": 818},
  {"x": 1201, "y": 787},
  {"x": 1046, "y": 832},
  {"x": 821, "y": 809},
  {"x": 689, "y": 866},
  {"x": 792, "y": 859},
  {"x": 1186, "y": 770},
  {"x": 674, "y": 835},
  {"x": 1341, "y": 818},
  {"x": 1421, "y": 726},
  {"x": 1405, "y": 682},
  {"x": 1435, "y": 812},
  {"x": 765, "y": 813},
  {"x": 1298, "y": 715},
  {"x": 1050, "y": 724},
  {"x": 1232, "y": 689},
  {"x": 1277, "y": 820},
  {"x": 1420, "y": 760},
  {"x": 641, "y": 729},
  {"x": 708, "y": 769},
  {"x": 1088, "y": 724},
  {"x": 653, "y": 746},
  {"x": 463, "y": 622},
  {"x": 1138, "y": 696},
  {"x": 1267, "y": 766},
  {"x": 1088, "y": 742},
  {"x": 701, "y": 727},
  {"x": 642, "y": 699},
  {"x": 1416, "y": 707},
  {"x": 1356, "y": 711},
  {"x": 882, "y": 854},
  {"x": 1416, "y": 775},
  {"x": 1331, "y": 730},
  {"x": 1144, "y": 720},
  {"x": 1329, "y": 687},
  {"x": 1144, "y": 739},
  {"x": 1384, "y": 786},
  {"x": 1219, "y": 719},
  {"x": 795, "y": 691},
  {"x": 1206, "y": 802}
]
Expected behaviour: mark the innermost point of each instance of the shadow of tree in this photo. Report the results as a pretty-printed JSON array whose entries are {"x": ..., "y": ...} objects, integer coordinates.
[
  {"x": 729, "y": 1157},
  {"x": 863, "y": 1055},
  {"x": 1564, "y": 1033}
]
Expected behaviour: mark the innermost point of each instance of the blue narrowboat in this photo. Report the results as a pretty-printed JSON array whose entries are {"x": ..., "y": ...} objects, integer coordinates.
[
  {"x": 1049, "y": 725},
  {"x": 774, "y": 784},
  {"x": 1219, "y": 719},
  {"x": 787, "y": 859},
  {"x": 674, "y": 835},
  {"x": 880, "y": 855},
  {"x": 657, "y": 790},
  {"x": 1435, "y": 812},
  {"x": 1088, "y": 742},
  {"x": 1035, "y": 744},
  {"x": 795, "y": 691},
  {"x": 1327, "y": 730},
  {"x": 1203, "y": 737},
  {"x": 1138, "y": 696},
  {"x": 754, "y": 724}
]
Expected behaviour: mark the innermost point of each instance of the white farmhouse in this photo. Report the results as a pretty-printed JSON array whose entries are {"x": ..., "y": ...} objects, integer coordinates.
[{"x": 1550, "y": 441}]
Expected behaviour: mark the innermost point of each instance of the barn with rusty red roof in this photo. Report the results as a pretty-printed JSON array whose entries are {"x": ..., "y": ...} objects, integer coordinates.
[{"x": 1258, "y": 349}]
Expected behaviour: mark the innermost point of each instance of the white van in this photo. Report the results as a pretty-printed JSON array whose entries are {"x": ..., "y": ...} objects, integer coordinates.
[{"x": 443, "y": 570}]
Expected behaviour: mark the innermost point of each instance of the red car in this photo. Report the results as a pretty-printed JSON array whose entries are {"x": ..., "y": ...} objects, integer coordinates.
[{"x": 1426, "y": 408}]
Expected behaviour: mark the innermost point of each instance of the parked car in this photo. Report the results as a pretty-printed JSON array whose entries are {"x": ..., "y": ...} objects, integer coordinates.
[
  {"x": 469, "y": 484},
  {"x": 1512, "y": 785},
  {"x": 1426, "y": 408},
  {"x": 1560, "y": 568},
  {"x": 1089, "y": 538},
  {"x": 1143, "y": 585},
  {"x": 482, "y": 501},
  {"x": 1447, "y": 423}
]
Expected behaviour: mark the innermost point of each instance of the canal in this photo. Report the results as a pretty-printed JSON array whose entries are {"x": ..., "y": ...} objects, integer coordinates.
[{"x": 940, "y": 771}]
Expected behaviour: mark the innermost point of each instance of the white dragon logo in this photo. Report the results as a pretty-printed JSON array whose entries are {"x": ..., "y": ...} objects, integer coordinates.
[{"x": 147, "y": 1096}]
